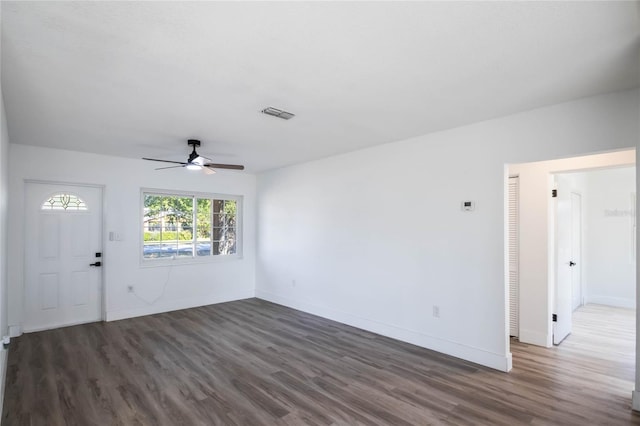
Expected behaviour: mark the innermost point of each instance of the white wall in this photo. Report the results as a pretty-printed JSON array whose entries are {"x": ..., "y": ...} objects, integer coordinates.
[
  {"x": 376, "y": 238},
  {"x": 610, "y": 262},
  {"x": 188, "y": 285},
  {"x": 635, "y": 401},
  {"x": 4, "y": 197}
]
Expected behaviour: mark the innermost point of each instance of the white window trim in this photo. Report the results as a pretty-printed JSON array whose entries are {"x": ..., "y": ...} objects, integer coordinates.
[{"x": 171, "y": 261}]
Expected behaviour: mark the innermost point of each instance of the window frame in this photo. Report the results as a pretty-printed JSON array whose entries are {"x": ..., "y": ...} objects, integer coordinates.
[{"x": 211, "y": 258}]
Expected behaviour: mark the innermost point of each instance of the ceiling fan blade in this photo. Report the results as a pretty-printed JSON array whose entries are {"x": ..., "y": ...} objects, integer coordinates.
[
  {"x": 224, "y": 166},
  {"x": 165, "y": 161},
  {"x": 208, "y": 171},
  {"x": 170, "y": 167}
]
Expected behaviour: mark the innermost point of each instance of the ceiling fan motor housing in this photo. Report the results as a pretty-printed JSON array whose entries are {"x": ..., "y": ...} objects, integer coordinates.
[{"x": 194, "y": 154}]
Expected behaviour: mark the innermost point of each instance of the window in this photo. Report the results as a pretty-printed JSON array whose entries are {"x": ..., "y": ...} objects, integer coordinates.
[
  {"x": 189, "y": 226},
  {"x": 66, "y": 202}
]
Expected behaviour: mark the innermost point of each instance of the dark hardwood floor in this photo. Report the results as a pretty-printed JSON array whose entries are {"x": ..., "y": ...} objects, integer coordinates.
[{"x": 255, "y": 363}]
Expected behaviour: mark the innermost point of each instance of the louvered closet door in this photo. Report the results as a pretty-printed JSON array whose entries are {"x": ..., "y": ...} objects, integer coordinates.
[{"x": 514, "y": 244}]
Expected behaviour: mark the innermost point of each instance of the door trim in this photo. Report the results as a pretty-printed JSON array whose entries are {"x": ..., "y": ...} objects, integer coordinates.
[{"x": 580, "y": 247}]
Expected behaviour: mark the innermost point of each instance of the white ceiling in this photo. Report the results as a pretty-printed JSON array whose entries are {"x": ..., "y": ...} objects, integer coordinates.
[{"x": 137, "y": 79}]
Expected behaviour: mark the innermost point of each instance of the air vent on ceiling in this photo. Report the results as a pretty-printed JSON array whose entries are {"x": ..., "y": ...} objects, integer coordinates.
[{"x": 278, "y": 113}]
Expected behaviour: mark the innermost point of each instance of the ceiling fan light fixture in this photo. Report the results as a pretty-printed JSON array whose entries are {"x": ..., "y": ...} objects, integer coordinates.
[
  {"x": 193, "y": 166},
  {"x": 275, "y": 112}
]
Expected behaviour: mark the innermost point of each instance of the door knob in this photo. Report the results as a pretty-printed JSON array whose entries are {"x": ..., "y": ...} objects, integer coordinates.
[
  {"x": 571, "y": 263},
  {"x": 96, "y": 264}
]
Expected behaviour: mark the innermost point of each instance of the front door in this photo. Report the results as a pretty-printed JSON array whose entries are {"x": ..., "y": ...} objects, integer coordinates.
[{"x": 63, "y": 245}]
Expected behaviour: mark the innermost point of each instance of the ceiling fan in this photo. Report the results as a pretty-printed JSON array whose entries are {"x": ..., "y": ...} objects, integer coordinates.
[{"x": 197, "y": 162}]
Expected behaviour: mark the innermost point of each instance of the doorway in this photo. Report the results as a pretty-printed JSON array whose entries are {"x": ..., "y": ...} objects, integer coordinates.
[
  {"x": 601, "y": 235},
  {"x": 63, "y": 255},
  {"x": 536, "y": 251},
  {"x": 595, "y": 241}
]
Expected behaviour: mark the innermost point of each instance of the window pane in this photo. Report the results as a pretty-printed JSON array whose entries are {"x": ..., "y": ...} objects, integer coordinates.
[
  {"x": 183, "y": 223},
  {"x": 203, "y": 245},
  {"x": 153, "y": 228},
  {"x": 66, "y": 202},
  {"x": 227, "y": 245},
  {"x": 224, "y": 226},
  {"x": 224, "y": 247},
  {"x": 168, "y": 226}
]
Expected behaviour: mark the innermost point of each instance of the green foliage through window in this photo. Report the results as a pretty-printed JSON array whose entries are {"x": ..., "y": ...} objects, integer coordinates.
[{"x": 180, "y": 226}]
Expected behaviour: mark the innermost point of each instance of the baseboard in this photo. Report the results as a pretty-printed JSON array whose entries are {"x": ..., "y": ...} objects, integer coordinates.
[
  {"x": 174, "y": 305},
  {"x": 4, "y": 359},
  {"x": 618, "y": 302},
  {"x": 458, "y": 350},
  {"x": 15, "y": 330},
  {"x": 36, "y": 328},
  {"x": 535, "y": 338},
  {"x": 635, "y": 400}
]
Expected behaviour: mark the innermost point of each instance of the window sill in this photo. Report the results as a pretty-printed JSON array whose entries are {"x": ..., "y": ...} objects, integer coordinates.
[{"x": 176, "y": 261}]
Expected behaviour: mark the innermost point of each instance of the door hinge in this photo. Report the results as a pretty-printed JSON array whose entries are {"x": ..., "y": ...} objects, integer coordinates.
[
  {"x": 554, "y": 193},
  {"x": 554, "y": 317}
]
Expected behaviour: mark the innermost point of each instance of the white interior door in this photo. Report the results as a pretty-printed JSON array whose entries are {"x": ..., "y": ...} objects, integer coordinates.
[
  {"x": 576, "y": 251},
  {"x": 63, "y": 283},
  {"x": 563, "y": 230}
]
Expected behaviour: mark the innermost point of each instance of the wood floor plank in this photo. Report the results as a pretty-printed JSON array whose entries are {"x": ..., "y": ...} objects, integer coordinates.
[{"x": 252, "y": 362}]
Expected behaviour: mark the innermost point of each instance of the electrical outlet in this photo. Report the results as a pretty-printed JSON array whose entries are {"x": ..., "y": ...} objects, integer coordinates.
[
  {"x": 130, "y": 289},
  {"x": 436, "y": 311}
]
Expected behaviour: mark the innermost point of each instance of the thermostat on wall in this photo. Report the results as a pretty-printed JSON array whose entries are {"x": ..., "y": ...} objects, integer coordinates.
[{"x": 468, "y": 206}]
